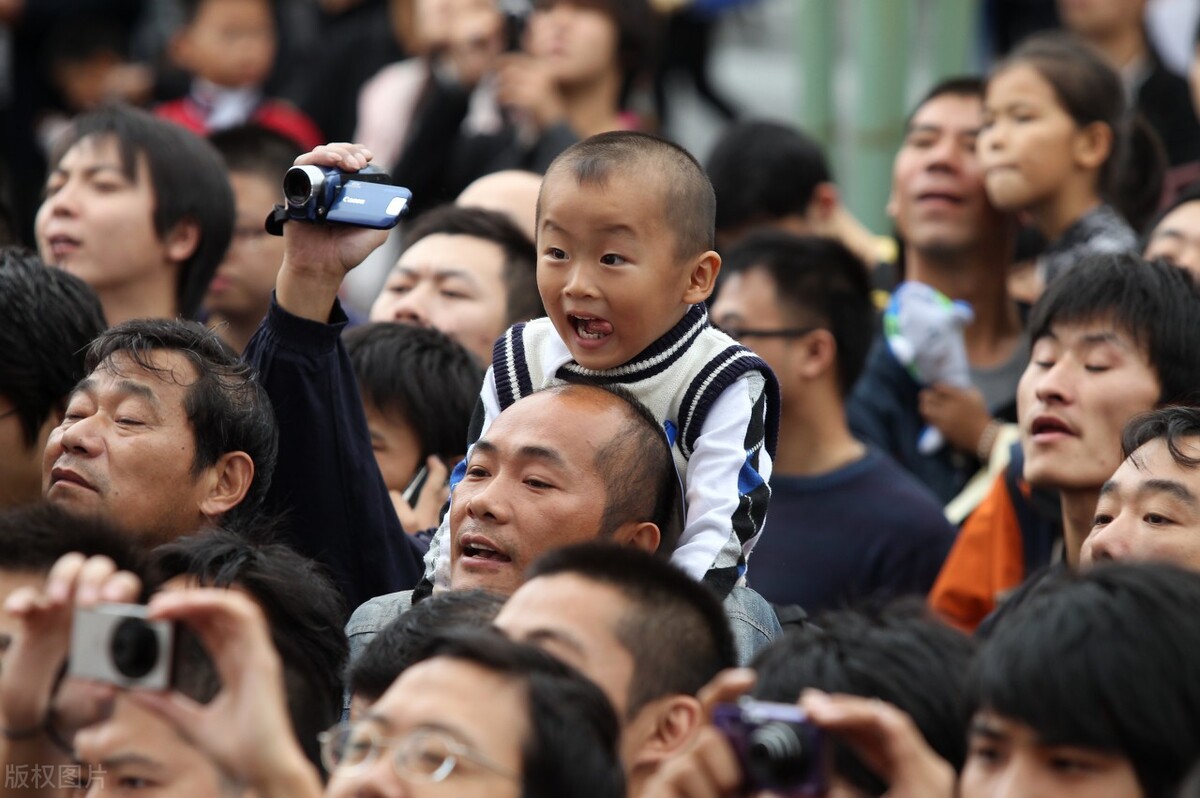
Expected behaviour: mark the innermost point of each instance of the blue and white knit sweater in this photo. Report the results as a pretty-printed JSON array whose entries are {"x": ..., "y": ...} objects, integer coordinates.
[{"x": 719, "y": 405}]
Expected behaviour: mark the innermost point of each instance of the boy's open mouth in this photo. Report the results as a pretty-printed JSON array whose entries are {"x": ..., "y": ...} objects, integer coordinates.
[{"x": 590, "y": 328}]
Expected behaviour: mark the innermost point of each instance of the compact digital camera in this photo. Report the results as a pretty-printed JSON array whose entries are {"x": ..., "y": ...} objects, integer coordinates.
[
  {"x": 116, "y": 643},
  {"x": 779, "y": 748},
  {"x": 365, "y": 198}
]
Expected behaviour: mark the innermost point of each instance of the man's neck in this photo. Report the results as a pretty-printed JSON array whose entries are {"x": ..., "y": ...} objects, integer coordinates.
[
  {"x": 980, "y": 279},
  {"x": 1121, "y": 46},
  {"x": 235, "y": 331},
  {"x": 814, "y": 438},
  {"x": 145, "y": 299},
  {"x": 1078, "y": 512},
  {"x": 592, "y": 106}
]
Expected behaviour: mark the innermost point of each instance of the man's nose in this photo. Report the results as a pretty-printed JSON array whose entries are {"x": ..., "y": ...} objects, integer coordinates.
[
  {"x": 413, "y": 307},
  {"x": 1109, "y": 543}
]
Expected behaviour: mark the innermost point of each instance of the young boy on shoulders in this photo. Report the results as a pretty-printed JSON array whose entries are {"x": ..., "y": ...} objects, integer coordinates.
[{"x": 625, "y": 262}]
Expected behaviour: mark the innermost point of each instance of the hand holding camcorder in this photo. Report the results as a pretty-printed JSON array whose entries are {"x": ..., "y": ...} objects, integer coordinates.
[{"x": 365, "y": 198}]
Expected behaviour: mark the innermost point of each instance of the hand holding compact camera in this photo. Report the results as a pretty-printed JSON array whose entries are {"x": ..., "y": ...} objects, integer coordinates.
[
  {"x": 119, "y": 644},
  {"x": 779, "y": 748}
]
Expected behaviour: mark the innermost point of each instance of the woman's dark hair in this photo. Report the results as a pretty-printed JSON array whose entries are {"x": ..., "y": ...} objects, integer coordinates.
[
  {"x": 1090, "y": 91},
  {"x": 571, "y": 749}
]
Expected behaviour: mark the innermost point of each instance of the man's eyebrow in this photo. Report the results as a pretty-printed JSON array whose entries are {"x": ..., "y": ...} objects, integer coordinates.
[
  {"x": 125, "y": 386},
  {"x": 438, "y": 273},
  {"x": 527, "y": 452},
  {"x": 131, "y": 759},
  {"x": 1168, "y": 232},
  {"x": 1170, "y": 487},
  {"x": 1106, "y": 337},
  {"x": 1111, "y": 486},
  {"x": 540, "y": 636}
]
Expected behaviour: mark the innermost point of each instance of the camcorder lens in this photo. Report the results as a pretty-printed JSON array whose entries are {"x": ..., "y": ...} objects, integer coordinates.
[
  {"x": 135, "y": 648},
  {"x": 776, "y": 754},
  {"x": 297, "y": 186}
]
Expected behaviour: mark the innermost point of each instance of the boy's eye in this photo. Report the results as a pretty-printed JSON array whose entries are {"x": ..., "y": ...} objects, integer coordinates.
[
  {"x": 612, "y": 259},
  {"x": 556, "y": 253}
]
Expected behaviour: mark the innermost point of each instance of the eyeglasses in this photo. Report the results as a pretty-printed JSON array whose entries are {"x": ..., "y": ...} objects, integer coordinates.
[
  {"x": 425, "y": 754},
  {"x": 738, "y": 333}
]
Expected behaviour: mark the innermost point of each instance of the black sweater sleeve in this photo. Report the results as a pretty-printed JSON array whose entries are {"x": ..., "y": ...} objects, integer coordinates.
[{"x": 327, "y": 488}]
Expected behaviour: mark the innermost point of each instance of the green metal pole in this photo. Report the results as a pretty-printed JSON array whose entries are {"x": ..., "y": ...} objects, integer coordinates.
[
  {"x": 954, "y": 37},
  {"x": 881, "y": 60},
  {"x": 816, "y": 32}
]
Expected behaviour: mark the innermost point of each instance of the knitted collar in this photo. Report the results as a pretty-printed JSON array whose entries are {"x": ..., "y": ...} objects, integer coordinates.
[{"x": 657, "y": 355}]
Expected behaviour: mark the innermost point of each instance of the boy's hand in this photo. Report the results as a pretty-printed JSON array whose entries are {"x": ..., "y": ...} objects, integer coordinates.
[
  {"x": 318, "y": 255},
  {"x": 246, "y": 728}
]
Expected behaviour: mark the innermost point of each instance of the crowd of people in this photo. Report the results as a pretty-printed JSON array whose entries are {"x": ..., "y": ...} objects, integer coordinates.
[{"x": 639, "y": 475}]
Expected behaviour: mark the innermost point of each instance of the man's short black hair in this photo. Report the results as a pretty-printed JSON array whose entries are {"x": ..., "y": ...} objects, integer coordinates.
[
  {"x": 523, "y": 301},
  {"x": 304, "y": 610},
  {"x": 256, "y": 150},
  {"x": 819, "y": 283},
  {"x": 674, "y": 628},
  {"x": 47, "y": 319},
  {"x": 191, "y": 8},
  {"x": 1155, "y": 303},
  {"x": 228, "y": 409},
  {"x": 34, "y": 536},
  {"x": 1173, "y": 425},
  {"x": 571, "y": 749},
  {"x": 899, "y": 653},
  {"x": 422, "y": 375},
  {"x": 685, "y": 194},
  {"x": 188, "y": 178},
  {"x": 764, "y": 171},
  {"x": 391, "y": 651},
  {"x": 1102, "y": 659},
  {"x": 955, "y": 86},
  {"x": 638, "y": 469}
]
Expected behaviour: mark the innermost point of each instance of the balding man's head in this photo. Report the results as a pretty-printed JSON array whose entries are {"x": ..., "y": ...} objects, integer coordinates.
[
  {"x": 565, "y": 465},
  {"x": 513, "y": 192}
]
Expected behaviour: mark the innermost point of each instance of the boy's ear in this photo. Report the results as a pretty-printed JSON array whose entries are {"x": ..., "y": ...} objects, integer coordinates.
[
  {"x": 703, "y": 277},
  {"x": 1093, "y": 145},
  {"x": 182, "y": 240}
]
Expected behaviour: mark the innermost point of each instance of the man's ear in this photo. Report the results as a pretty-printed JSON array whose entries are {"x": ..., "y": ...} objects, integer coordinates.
[
  {"x": 702, "y": 278},
  {"x": 1093, "y": 145},
  {"x": 182, "y": 240},
  {"x": 820, "y": 354},
  {"x": 643, "y": 535},
  {"x": 660, "y": 730},
  {"x": 228, "y": 482}
]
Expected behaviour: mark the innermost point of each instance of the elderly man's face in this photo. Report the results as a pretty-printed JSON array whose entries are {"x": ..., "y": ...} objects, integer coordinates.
[
  {"x": 532, "y": 485},
  {"x": 125, "y": 449}
]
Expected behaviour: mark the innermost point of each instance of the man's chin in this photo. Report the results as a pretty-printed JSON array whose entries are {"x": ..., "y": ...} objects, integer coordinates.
[{"x": 502, "y": 578}]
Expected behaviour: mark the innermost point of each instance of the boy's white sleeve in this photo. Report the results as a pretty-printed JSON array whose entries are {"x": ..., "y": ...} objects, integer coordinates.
[
  {"x": 726, "y": 486},
  {"x": 437, "y": 559}
]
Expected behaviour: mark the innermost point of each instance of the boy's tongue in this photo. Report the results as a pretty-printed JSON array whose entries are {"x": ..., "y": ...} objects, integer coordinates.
[{"x": 596, "y": 326}]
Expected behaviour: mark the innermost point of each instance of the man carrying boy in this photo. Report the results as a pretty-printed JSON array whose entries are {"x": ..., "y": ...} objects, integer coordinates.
[
  {"x": 625, "y": 235},
  {"x": 1110, "y": 341}
]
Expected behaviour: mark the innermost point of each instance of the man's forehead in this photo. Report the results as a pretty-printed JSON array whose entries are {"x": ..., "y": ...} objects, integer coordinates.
[
  {"x": 561, "y": 421},
  {"x": 153, "y": 369},
  {"x": 949, "y": 112}
]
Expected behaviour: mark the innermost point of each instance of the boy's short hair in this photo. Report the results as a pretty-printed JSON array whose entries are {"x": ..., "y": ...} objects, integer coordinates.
[
  {"x": 675, "y": 628},
  {"x": 821, "y": 281},
  {"x": 391, "y": 651},
  {"x": 1155, "y": 303},
  {"x": 764, "y": 171},
  {"x": 47, "y": 319},
  {"x": 423, "y": 376},
  {"x": 520, "y": 263},
  {"x": 899, "y": 653},
  {"x": 1101, "y": 659},
  {"x": 188, "y": 179},
  {"x": 256, "y": 150},
  {"x": 689, "y": 204}
]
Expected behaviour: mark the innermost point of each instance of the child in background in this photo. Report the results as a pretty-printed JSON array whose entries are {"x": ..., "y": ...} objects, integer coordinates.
[
  {"x": 240, "y": 291},
  {"x": 228, "y": 46},
  {"x": 625, "y": 264},
  {"x": 1052, "y": 144}
]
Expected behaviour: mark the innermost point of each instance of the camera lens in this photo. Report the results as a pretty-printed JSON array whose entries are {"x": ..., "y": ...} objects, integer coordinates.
[
  {"x": 776, "y": 754},
  {"x": 297, "y": 186},
  {"x": 135, "y": 649}
]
